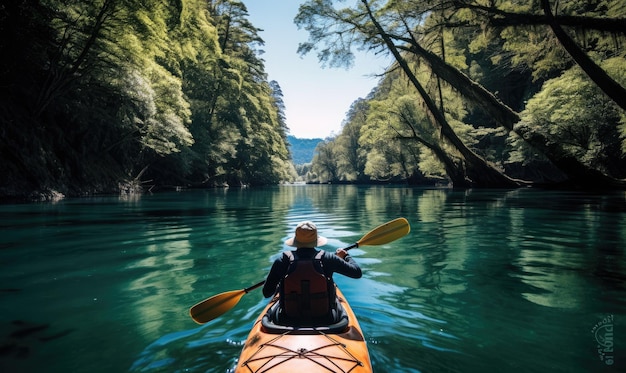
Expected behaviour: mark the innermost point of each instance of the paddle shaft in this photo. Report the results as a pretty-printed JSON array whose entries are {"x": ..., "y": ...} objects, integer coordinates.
[{"x": 247, "y": 290}]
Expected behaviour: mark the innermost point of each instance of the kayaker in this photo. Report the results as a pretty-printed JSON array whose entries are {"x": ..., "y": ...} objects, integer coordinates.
[{"x": 304, "y": 278}]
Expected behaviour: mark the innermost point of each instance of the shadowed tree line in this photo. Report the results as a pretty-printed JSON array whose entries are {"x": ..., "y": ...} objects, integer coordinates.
[
  {"x": 482, "y": 93},
  {"x": 121, "y": 95},
  {"x": 124, "y": 95}
]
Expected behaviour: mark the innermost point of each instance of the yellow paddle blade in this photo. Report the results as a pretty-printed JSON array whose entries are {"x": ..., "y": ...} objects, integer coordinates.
[
  {"x": 215, "y": 306},
  {"x": 386, "y": 233}
]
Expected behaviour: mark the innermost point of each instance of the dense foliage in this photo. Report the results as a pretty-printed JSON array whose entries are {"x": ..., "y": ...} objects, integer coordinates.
[
  {"x": 481, "y": 92},
  {"x": 98, "y": 96},
  {"x": 122, "y": 95}
]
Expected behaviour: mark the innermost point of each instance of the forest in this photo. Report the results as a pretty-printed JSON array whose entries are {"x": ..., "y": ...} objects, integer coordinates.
[
  {"x": 113, "y": 96},
  {"x": 482, "y": 93},
  {"x": 124, "y": 96}
]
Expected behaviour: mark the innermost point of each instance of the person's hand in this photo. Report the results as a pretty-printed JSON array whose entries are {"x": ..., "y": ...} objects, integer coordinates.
[{"x": 341, "y": 253}]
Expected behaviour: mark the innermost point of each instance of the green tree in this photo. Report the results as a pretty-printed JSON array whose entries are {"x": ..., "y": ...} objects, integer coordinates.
[
  {"x": 279, "y": 103},
  {"x": 365, "y": 24},
  {"x": 111, "y": 91},
  {"x": 397, "y": 118},
  {"x": 103, "y": 99},
  {"x": 541, "y": 49},
  {"x": 325, "y": 166},
  {"x": 352, "y": 157},
  {"x": 409, "y": 28},
  {"x": 571, "y": 110},
  {"x": 238, "y": 126}
]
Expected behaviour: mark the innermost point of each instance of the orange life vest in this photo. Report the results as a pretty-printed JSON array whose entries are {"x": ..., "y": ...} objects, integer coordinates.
[{"x": 305, "y": 290}]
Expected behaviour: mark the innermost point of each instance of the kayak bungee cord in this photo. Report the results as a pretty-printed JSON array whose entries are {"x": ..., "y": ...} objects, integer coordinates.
[{"x": 313, "y": 355}]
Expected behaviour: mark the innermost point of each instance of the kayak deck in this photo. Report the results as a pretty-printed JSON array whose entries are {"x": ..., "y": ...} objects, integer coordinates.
[{"x": 307, "y": 350}]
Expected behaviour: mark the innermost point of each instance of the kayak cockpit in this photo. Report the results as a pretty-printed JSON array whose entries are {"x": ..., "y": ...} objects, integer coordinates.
[{"x": 274, "y": 322}]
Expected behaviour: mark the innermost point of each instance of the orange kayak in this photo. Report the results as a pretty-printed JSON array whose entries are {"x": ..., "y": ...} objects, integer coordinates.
[{"x": 340, "y": 347}]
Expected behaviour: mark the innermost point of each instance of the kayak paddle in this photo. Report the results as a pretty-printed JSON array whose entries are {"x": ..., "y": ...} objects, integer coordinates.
[{"x": 219, "y": 304}]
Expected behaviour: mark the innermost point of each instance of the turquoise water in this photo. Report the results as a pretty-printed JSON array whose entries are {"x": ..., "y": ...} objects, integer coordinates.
[{"x": 487, "y": 281}]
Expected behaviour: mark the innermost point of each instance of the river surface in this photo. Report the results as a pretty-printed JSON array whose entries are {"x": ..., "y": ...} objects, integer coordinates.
[{"x": 487, "y": 280}]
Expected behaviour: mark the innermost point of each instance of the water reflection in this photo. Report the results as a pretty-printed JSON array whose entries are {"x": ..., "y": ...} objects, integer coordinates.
[
  {"x": 166, "y": 273},
  {"x": 486, "y": 281}
]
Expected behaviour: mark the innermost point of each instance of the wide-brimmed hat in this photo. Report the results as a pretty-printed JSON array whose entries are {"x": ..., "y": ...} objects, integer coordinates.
[{"x": 306, "y": 236}]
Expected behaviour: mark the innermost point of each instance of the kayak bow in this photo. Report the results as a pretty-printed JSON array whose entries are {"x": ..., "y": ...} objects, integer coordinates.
[{"x": 338, "y": 348}]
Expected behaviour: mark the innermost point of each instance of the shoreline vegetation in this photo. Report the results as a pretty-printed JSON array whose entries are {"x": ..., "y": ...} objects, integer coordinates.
[{"x": 110, "y": 97}]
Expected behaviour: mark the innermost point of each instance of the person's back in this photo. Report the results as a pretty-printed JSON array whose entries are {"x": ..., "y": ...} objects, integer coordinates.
[
  {"x": 305, "y": 291},
  {"x": 303, "y": 277}
]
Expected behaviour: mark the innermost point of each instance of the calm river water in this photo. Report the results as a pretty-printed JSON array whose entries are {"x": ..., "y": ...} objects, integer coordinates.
[{"x": 487, "y": 281}]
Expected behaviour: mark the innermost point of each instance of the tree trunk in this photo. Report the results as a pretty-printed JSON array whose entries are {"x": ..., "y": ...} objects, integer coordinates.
[
  {"x": 609, "y": 86},
  {"x": 60, "y": 78},
  {"x": 454, "y": 170},
  {"x": 479, "y": 172},
  {"x": 501, "y": 18},
  {"x": 575, "y": 170}
]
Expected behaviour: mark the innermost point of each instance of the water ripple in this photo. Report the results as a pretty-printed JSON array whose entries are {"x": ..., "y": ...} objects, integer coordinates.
[{"x": 486, "y": 281}]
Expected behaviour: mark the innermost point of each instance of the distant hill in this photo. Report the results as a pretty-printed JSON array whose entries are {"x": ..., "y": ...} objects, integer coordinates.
[{"x": 302, "y": 150}]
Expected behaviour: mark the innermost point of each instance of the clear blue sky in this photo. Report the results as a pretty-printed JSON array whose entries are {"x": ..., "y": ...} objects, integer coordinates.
[{"x": 316, "y": 99}]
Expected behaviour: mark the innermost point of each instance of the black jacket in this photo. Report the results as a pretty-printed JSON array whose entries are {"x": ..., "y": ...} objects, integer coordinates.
[{"x": 330, "y": 262}]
